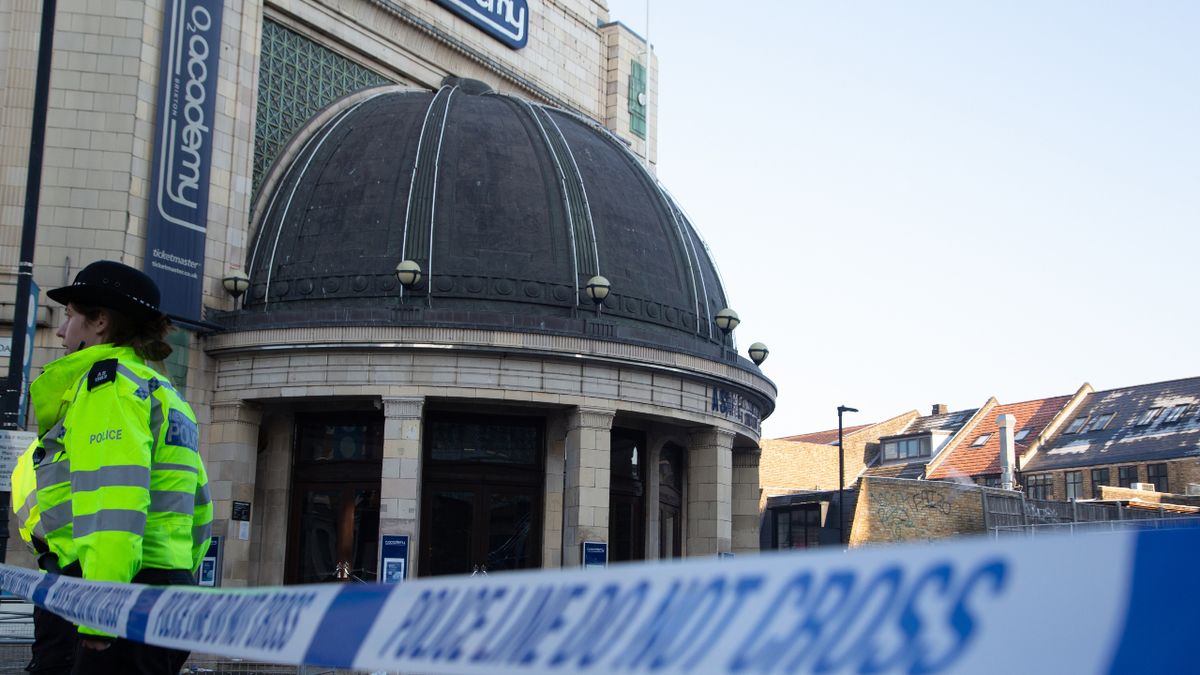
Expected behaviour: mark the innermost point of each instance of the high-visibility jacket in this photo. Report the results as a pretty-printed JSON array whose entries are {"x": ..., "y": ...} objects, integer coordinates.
[
  {"x": 24, "y": 499},
  {"x": 29, "y": 514},
  {"x": 125, "y": 445}
]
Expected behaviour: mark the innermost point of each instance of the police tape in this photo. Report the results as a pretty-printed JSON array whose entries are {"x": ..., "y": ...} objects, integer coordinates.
[{"x": 1114, "y": 602}]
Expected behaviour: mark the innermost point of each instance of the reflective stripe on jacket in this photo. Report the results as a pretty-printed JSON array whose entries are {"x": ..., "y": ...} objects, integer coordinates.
[{"x": 128, "y": 456}]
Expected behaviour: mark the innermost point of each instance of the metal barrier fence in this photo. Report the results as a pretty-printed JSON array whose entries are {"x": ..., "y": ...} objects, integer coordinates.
[
  {"x": 1009, "y": 512},
  {"x": 1140, "y": 522}
]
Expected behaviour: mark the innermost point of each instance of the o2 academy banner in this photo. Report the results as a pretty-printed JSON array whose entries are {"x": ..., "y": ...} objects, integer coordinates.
[
  {"x": 504, "y": 20},
  {"x": 178, "y": 214}
]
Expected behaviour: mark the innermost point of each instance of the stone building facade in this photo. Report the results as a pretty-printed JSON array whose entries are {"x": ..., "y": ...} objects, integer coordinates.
[{"x": 490, "y": 411}]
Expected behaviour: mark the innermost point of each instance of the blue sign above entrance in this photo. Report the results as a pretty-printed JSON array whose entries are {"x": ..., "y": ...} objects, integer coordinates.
[{"x": 505, "y": 20}]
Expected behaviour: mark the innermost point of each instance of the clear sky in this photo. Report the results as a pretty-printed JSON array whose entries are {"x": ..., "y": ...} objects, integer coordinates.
[{"x": 937, "y": 202}]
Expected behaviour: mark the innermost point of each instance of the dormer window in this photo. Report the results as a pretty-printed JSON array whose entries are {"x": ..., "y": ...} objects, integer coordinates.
[
  {"x": 1076, "y": 424},
  {"x": 905, "y": 448},
  {"x": 983, "y": 438},
  {"x": 1148, "y": 417},
  {"x": 1100, "y": 421},
  {"x": 1175, "y": 413}
]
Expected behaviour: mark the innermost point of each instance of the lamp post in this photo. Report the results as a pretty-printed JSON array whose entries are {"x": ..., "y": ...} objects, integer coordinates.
[
  {"x": 408, "y": 273},
  {"x": 758, "y": 353},
  {"x": 842, "y": 477},
  {"x": 235, "y": 284},
  {"x": 726, "y": 320},
  {"x": 597, "y": 289}
]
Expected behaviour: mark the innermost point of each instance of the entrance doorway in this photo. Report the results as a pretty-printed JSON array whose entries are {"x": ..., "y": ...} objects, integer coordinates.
[
  {"x": 670, "y": 501},
  {"x": 626, "y": 496},
  {"x": 481, "y": 501},
  {"x": 334, "y": 517}
]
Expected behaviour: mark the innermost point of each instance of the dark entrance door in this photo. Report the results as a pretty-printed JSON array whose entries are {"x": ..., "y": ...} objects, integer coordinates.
[
  {"x": 670, "y": 501},
  {"x": 481, "y": 502},
  {"x": 626, "y": 496},
  {"x": 334, "y": 517}
]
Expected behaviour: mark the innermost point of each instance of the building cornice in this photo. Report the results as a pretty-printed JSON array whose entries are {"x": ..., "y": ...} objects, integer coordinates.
[{"x": 470, "y": 340}]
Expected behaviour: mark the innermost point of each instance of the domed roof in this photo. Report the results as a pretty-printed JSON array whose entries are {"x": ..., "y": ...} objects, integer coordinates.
[{"x": 509, "y": 208}]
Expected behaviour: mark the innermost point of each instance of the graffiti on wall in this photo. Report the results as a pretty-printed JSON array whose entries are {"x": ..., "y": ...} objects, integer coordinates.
[{"x": 898, "y": 514}]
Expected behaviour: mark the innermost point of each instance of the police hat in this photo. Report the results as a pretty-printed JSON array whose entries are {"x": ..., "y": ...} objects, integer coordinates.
[{"x": 109, "y": 284}]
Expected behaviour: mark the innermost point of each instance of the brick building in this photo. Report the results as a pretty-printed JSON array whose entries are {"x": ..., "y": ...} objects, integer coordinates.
[
  {"x": 490, "y": 399},
  {"x": 1084, "y": 446},
  {"x": 1147, "y": 434}
]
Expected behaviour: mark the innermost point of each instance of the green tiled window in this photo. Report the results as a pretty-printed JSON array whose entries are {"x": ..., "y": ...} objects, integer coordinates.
[
  {"x": 638, "y": 97},
  {"x": 297, "y": 78}
]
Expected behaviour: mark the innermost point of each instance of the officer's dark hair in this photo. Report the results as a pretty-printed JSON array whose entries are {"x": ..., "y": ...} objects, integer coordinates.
[{"x": 147, "y": 338}]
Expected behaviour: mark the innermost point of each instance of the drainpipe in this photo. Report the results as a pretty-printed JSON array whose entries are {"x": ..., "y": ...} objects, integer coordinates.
[{"x": 1008, "y": 452}]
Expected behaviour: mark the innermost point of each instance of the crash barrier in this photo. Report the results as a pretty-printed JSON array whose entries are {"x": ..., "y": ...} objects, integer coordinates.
[{"x": 1112, "y": 602}]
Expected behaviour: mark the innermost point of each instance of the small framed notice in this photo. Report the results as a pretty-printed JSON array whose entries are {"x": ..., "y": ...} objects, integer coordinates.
[
  {"x": 595, "y": 555},
  {"x": 210, "y": 566},
  {"x": 393, "y": 558}
]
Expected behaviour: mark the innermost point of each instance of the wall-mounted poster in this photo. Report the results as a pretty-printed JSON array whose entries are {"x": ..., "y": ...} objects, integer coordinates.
[{"x": 393, "y": 558}]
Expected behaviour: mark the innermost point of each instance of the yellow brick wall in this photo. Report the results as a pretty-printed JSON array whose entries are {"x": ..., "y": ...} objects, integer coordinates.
[
  {"x": 1180, "y": 472},
  {"x": 894, "y": 510},
  {"x": 791, "y": 466}
]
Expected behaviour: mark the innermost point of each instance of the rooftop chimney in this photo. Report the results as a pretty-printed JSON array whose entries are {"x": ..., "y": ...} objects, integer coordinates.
[
  {"x": 940, "y": 408},
  {"x": 1008, "y": 450}
]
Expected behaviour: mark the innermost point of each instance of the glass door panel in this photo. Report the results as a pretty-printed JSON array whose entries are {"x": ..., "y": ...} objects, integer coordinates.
[
  {"x": 318, "y": 544},
  {"x": 669, "y": 531},
  {"x": 450, "y": 540},
  {"x": 509, "y": 519},
  {"x": 365, "y": 535}
]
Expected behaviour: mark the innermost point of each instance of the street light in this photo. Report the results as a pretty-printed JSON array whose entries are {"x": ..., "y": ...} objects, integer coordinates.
[
  {"x": 842, "y": 477},
  {"x": 597, "y": 289},
  {"x": 758, "y": 353},
  {"x": 235, "y": 283},
  {"x": 408, "y": 273},
  {"x": 727, "y": 320}
]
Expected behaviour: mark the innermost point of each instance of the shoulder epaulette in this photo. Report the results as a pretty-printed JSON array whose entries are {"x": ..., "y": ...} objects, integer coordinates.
[{"x": 102, "y": 373}]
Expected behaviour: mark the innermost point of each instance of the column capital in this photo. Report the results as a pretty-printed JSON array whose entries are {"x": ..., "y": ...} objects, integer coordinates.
[
  {"x": 746, "y": 460},
  {"x": 709, "y": 435},
  {"x": 238, "y": 412},
  {"x": 403, "y": 407},
  {"x": 590, "y": 418}
]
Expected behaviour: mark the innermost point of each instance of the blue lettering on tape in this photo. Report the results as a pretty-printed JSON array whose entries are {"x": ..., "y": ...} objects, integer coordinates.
[
  {"x": 611, "y": 612},
  {"x": 19, "y": 581},
  {"x": 100, "y": 606},
  {"x": 263, "y": 621},
  {"x": 937, "y": 611},
  {"x": 418, "y": 624},
  {"x": 817, "y": 624},
  {"x": 540, "y": 616}
]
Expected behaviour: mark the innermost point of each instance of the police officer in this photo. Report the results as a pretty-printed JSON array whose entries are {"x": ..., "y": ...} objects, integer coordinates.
[
  {"x": 123, "y": 442},
  {"x": 53, "y": 648}
]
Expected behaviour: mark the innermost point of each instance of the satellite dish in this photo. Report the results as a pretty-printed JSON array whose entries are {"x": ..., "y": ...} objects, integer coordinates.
[{"x": 641, "y": 98}]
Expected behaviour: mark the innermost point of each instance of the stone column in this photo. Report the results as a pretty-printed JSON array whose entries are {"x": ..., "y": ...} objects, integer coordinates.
[
  {"x": 272, "y": 492},
  {"x": 746, "y": 489},
  {"x": 552, "y": 528},
  {"x": 709, "y": 491},
  {"x": 400, "y": 489},
  {"x": 588, "y": 450},
  {"x": 231, "y": 458}
]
